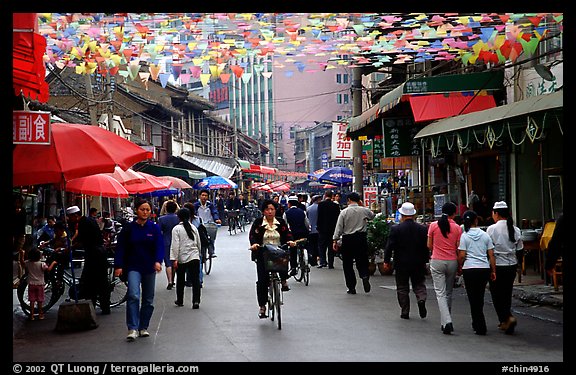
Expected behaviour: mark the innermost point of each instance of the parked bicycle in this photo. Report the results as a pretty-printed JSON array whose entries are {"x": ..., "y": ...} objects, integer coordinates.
[
  {"x": 64, "y": 276},
  {"x": 302, "y": 267}
]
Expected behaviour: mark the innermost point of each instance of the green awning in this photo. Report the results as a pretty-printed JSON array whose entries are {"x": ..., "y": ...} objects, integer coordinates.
[
  {"x": 162, "y": 170},
  {"x": 244, "y": 164}
]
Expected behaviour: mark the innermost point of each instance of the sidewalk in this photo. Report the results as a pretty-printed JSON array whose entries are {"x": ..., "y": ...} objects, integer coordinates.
[{"x": 533, "y": 290}]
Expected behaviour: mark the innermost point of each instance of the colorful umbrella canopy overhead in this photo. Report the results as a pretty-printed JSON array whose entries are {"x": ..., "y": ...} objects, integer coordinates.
[
  {"x": 101, "y": 185},
  {"x": 261, "y": 186},
  {"x": 152, "y": 183},
  {"x": 214, "y": 183},
  {"x": 338, "y": 176},
  {"x": 278, "y": 186},
  {"x": 75, "y": 151}
]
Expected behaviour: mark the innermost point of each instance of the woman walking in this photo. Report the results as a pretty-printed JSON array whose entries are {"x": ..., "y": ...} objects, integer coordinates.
[
  {"x": 139, "y": 255},
  {"x": 185, "y": 255},
  {"x": 507, "y": 242},
  {"x": 476, "y": 257},
  {"x": 443, "y": 240}
]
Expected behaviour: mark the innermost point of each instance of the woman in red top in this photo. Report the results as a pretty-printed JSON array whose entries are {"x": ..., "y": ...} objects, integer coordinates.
[{"x": 443, "y": 241}]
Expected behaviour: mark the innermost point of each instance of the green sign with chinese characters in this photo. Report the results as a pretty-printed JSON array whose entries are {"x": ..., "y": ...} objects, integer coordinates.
[{"x": 399, "y": 137}]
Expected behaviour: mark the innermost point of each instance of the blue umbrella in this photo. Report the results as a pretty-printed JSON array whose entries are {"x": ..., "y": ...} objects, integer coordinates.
[
  {"x": 339, "y": 176},
  {"x": 214, "y": 183}
]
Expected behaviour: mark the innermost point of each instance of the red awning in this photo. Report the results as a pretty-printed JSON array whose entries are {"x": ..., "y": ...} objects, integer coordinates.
[
  {"x": 438, "y": 106},
  {"x": 28, "y": 47}
]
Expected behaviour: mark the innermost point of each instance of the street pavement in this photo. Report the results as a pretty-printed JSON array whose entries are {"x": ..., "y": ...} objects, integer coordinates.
[{"x": 320, "y": 323}]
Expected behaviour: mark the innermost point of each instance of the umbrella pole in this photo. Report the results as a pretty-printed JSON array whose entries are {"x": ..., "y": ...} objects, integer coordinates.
[{"x": 69, "y": 242}]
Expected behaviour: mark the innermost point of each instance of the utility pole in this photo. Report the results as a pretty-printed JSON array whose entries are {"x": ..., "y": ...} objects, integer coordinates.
[
  {"x": 357, "y": 144},
  {"x": 91, "y": 103}
]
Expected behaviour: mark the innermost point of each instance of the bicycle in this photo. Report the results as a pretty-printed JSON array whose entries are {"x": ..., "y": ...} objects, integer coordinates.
[
  {"x": 302, "y": 267},
  {"x": 233, "y": 221},
  {"x": 212, "y": 229},
  {"x": 62, "y": 276},
  {"x": 275, "y": 260}
]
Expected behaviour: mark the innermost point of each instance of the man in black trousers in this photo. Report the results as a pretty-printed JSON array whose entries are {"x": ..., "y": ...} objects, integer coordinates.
[
  {"x": 407, "y": 242},
  {"x": 328, "y": 212}
]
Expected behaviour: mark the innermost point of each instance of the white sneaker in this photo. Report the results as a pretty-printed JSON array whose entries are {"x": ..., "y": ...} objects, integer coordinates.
[
  {"x": 143, "y": 333},
  {"x": 132, "y": 334}
]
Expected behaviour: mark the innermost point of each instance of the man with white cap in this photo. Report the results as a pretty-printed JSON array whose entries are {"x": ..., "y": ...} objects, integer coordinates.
[
  {"x": 407, "y": 242},
  {"x": 94, "y": 280}
]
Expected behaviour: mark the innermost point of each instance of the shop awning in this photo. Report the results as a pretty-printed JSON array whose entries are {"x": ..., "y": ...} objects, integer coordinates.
[
  {"x": 439, "y": 106},
  {"x": 244, "y": 164},
  {"x": 465, "y": 84},
  {"x": 162, "y": 170},
  {"x": 498, "y": 114},
  {"x": 215, "y": 165}
]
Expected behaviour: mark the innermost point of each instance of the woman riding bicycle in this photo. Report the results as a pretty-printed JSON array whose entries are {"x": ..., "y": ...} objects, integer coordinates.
[{"x": 272, "y": 230}]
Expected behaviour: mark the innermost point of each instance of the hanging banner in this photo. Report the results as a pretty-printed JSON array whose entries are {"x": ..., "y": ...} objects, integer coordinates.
[
  {"x": 341, "y": 143},
  {"x": 31, "y": 127}
]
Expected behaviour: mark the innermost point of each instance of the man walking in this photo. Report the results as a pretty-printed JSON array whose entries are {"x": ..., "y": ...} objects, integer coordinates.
[
  {"x": 407, "y": 241},
  {"x": 351, "y": 228},
  {"x": 208, "y": 213},
  {"x": 299, "y": 227},
  {"x": 94, "y": 280},
  {"x": 328, "y": 212},
  {"x": 312, "y": 213}
]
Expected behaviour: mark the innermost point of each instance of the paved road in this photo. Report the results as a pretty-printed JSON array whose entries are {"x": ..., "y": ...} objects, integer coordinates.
[{"x": 321, "y": 323}]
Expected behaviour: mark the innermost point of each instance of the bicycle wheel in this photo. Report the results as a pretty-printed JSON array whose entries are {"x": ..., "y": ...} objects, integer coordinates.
[
  {"x": 278, "y": 302},
  {"x": 271, "y": 300},
  {"x": 51, "y": 296},
  {"x": 207, "y": 264},
  {"x": 300, "y": 270},
  {"x": 306, "y": 270}
]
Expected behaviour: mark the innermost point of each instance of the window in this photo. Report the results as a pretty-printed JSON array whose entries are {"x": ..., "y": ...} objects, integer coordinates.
[
  {"x": 339, "y": 98},
  {"x": 338, "y": 78},
  {"x": 345, "y": 78},
  {"x": 346, "y": 99}
]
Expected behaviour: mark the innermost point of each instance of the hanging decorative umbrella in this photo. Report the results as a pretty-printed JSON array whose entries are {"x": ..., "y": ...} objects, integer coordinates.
[
  {"x": 101, "y": 185},
  {"x": 74, "y": 151},
  {"x": 151, "y": 184},
  {"x": 126, "y": 177},
  {"x": 338, "y": 176},
  {"x": 215, "y": 182},
  {"x": 177, "y": 183}
]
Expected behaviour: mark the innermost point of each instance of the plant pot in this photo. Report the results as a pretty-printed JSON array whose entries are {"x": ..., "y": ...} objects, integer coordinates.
[
  {"x": 383, "y": 270},
  {"x": 371, "y": 268}
]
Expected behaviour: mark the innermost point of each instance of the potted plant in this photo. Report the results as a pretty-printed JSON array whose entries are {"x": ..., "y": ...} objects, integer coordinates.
[{"x": 378, "y": 230}]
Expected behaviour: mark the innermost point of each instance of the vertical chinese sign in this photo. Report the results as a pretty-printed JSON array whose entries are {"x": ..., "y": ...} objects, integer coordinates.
[
  {"x": 30, "y": 127},
  {"x": 399, "y": 138},
  {"x": 341, "y": 143}
]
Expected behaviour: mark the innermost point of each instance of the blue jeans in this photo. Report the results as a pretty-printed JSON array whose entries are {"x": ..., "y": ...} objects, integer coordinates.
[{"x": 138, "y": 316}]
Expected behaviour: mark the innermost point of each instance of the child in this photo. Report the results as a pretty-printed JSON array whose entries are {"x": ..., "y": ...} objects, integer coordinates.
[{"x": 36, "y": 269}]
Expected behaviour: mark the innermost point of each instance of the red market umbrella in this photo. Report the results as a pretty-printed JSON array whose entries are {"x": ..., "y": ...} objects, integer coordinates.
[
  {"x": 177, "y": 183},
  {"x": 102, "y": 185},
  {"x": 75, "y": 151},
  {"x": 126, "y": 177},
  {"x": 151, "y": 184},
  {"x": 279, "y": 186}
]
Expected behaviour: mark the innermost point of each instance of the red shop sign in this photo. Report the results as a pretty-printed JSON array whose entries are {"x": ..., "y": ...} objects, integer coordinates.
[{"x": 31, "y": 127}]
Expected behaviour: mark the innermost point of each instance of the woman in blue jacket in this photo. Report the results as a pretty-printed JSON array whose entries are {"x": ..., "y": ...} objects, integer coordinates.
[{"x": 139, "y": 256}]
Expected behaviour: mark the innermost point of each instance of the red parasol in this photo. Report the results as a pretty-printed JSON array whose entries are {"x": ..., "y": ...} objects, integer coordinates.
[
  {"x": 102, "y": 185},
  {"x": 151, "y": 184},
  {"x": 126, "y": 177},
  {"x": 177, "y": 183},
  {"x": 75, "y": 151}
]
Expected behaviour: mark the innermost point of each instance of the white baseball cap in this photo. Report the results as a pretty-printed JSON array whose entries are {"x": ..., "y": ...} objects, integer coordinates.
[
  {"x": 72, "y": 210},
  {"x": 407, "y": 209}
]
